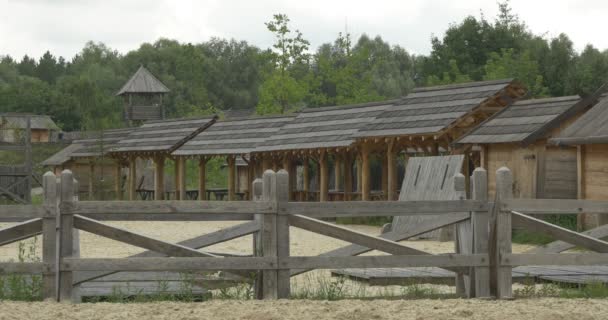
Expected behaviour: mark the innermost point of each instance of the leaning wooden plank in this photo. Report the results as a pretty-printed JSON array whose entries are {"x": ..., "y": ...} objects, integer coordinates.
[
  {"x": 447, "y": 261},
  {"x": 555, "y": 206},
  {"x": 225, "y": 208},
  {"x": 554, "y": 259},
  {"x": 195, "y": 243},
  {"x": 560, "y": 233},
  {"x": 170, "y": 264},
  {"x": 561, "y": 246},
  {"x": 360, "y": 238},
  {"x": 423, "y": 227},
  {"x": 18, "y": 213},
  {"x": 23, "y": 267},
  {"x": 382, "y": 208},
  {"x": 20, "y": 231}
]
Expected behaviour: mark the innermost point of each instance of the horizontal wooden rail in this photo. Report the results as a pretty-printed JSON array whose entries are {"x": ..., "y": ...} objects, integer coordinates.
[
  {"x": 555, "y": 206},
  {"x": 24, "y": 267},
  {"x": 20, "y": 231},
  {"x": 168, "y": 210},
  {"x": 557, "y": 259},
  {"x": 19, "y": 213},
  {"x": 382, "y": 208},
  {"x": 404, "y": 261}
]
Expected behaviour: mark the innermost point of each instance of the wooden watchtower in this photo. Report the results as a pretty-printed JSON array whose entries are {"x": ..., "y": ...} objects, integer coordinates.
[{"x": 143, "y": 97}]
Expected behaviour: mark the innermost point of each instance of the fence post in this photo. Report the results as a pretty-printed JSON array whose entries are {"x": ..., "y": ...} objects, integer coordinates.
[
  {"x": 480, "y": 224},
  {"x": 257, "y": 193},
  {"x": 282, "y": 233},
  {"x": 460, "y": 234},
  {"x": 49, "y": 229},
  {"x": 504, "y": 191},
  {"x": 66, "y": 244},
  {"x": 76, "y": 297},
  {"x": 269, "y": 235}
]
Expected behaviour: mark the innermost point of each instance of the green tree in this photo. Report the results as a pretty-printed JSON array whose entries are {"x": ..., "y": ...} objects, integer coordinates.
[{"x": 507, "y": 64}]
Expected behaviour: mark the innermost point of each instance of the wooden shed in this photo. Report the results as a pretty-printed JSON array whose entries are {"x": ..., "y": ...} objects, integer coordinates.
[
  {"x": 517, "y": 137},
  {"x": 235, "y": 139},
  {"x": 587, "y": 138},
  {"x": 13, "y": 125}
]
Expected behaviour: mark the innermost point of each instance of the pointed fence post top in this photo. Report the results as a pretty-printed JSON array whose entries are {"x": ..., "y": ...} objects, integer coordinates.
[
  {"x": 459, "y": 182},
  {"x": 49, "y": 186}
]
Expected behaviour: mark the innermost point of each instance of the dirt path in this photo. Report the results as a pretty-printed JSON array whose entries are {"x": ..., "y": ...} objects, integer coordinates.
[{"x": 537, "y": 309}]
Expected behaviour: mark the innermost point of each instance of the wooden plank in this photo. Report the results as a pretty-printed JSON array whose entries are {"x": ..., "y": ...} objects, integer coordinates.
[
  {"x": 66, "y": 234},
  {"x": 49, "y": 234},
  {"x": 463, "y": 243},
  {"x": 504, "y": 192},
  {"x": 170, "y": 264},
  {"x": 383, "y": 208},
  {"x": 269, "y": 236},
  {"x": 571, "y": 259},
  {"x": 365, "y": 173},
  {"x": 18, "y": 213},
  {"x": 447, "y": 261},
  {"x": 202, "y": 176},
  {"x": 159, "y": 178},
  {"x": 282, "y": 234},
  {"x": 561, "y": 246},
  {"x": 324, "y": 177},
  {"x": 132, "y": 178},
  {"x": 555, "y": 206},
  {"x": 480, "y": 224},
  {"x": 231, "y": 178},
  {"x": 559, "y": 233},
  {"x": 24, "y": 268},
  {"x": 20, "y": 231}
]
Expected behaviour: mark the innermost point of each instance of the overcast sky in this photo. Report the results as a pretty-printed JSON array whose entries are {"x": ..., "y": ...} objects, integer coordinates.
[{"x": 64, "y": 26}]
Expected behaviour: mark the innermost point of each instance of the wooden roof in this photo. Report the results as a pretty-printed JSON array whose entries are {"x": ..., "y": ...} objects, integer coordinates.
[
  {"x": 524, "y": 121},
  {"x": 19, "y": 121},
  {"x": 432, "y": 109},
  {"x": 591, "y": 127},
  {"x": 233, "y": 136},
  {"x": 63, "y": 156},
  {"x": 143, "y": 81},
  {"x": 163, "y": 136},
  {"x": 327, "y": 127}
]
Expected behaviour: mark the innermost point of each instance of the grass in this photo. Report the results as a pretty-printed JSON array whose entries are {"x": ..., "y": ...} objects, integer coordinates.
[
  {"x": 523, "y": 236},
  {"x": 18, "y": 287},
  {"x": 592, "y": 290}
]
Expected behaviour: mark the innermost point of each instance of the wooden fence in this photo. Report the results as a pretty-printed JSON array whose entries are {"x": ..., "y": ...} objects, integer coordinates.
[{"x": 482, "y": 258}]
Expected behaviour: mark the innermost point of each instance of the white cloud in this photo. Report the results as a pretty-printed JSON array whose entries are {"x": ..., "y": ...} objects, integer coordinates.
[{"x": 63, "y": 26}]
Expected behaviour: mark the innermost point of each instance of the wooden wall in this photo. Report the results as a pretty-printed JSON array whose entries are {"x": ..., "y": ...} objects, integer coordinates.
[
  {"x": 521, "y": 161},
  {"x": 560, "y": 174},
  {"x": 594, "y": 180}
]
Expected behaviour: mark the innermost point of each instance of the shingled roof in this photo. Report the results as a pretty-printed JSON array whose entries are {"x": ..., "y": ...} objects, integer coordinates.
[
  {"x": 432, "y": 109},
  {"x": 162, "y": 136},
  {"x": 590, "y": 128},
  {"x": 19, "y": 121},
  {"x": 143, "y": 81},
  {"x": 233, "y": 136},
  {"x": 63, "y": 156},
  {"x": 524, "y": 121},
  {"x": 327, "y": 127}
]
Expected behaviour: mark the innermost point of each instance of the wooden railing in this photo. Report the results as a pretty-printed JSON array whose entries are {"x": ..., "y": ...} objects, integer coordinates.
[{"x": 482, "y": 260}]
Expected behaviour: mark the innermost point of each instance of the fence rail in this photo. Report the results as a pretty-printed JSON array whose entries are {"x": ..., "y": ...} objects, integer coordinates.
[{"x": 482, "y": 260}]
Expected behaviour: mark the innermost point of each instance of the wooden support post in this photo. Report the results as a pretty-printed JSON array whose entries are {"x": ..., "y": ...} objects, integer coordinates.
[
  {"x": 282, "y": 234},
  {"x": 434, "y": 149},
  {"x": 391, "y": 162},
  {"x": 481, "y": 236},
  {"x": 504, "y": 192},
  {"x": 348, "y": 176},
  {"x": 118, "y": 181},
  {"x": 257, "y": 189},
  {"x": 251, "y": 167},
  {"x": 159, "y": 178},
  {"x": 324, "y": 181},
  {"x": 580, "y": 184},
  {"x": 66, "y": 244},
  {"x": 483, "y": 156},
  {"x": 231, "y": 178},
  {"x": 176, "y": 178},
  {"x": 182, "y": 178},
  {"x": 460, "y": 238},
  {"x": 49, "y": 229},
  {"x": 365, "y": 174},
  {"x": 91, "y": 180},
  {"x": 132, "y": 178},
  {"x": 338, "y": 172},
  {"x": 202, "y": 176},
  {"x": 305, "y": 177},
  {"x": 28, "y": 161},
  {"x": 288, "y": 167},
  {"x": 269, "y": 236},
  {"x": 467, "y": 172},
  {"x": 384, "y": 167},
  {"x": 266, "y": 163},
  {"x": 359, "y": 173}
]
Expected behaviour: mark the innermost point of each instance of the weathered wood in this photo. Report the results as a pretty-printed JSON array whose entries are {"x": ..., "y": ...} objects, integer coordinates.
[
  {"x": 269, "y": 236},
  {"x": 21, "y": 231},
  {"x": 132, "y": 178},
  {"x": 324, "y": 177},
  {"x": 18, "y": 213},
  {"x": 384, "y": 177},
  {"x": 282, "y": 234},
  {"x": 28, "y": 161},
  {"x": 348, "y": 176},
  {"x": 391, "y": 162},
  {"x": 49, "y": 233},
  {"x": 559, "y": 233},
  {"x": 305, "y": 177},
  {"x": 555, "y": 206},
  {"x": 365, "y": 174},
  {"x": 91, "y": 181},
  {"x": 462, "y": 242},
  {"x": 176, "y": 164},
  {"x": 480, "y": 226},
  {"x": 382, "y": 208},
  {"x": 555, "y": 259},
  {"x": 561, "y": 246},
  {"x": 66, "y": 244},
  {"x": 172, "y": 264},
  {"x": 118, "y": 181},
  {"x": 182, "y": 177},
  {"x": 504, "y": 192},
  {"x": 258, "y": 195},
  {"x": 202, "y": 176},
  {"x": 446, "y": 261},
  {"x": 338, "y": 167},
  {"x": 24, "y": 268},
  {"x": 424, "y": 227},
  {"x": 159, "y": 178},
  {"x": 231, "y": 178},
  {"x": 580, "y": 182}
]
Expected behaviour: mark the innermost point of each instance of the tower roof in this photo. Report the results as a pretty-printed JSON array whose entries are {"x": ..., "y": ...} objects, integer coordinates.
[{"x": 143, "y": 81}]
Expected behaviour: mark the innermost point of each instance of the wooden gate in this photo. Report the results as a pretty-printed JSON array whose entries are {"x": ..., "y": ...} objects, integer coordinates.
[{"x": 16, "y": 180}]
